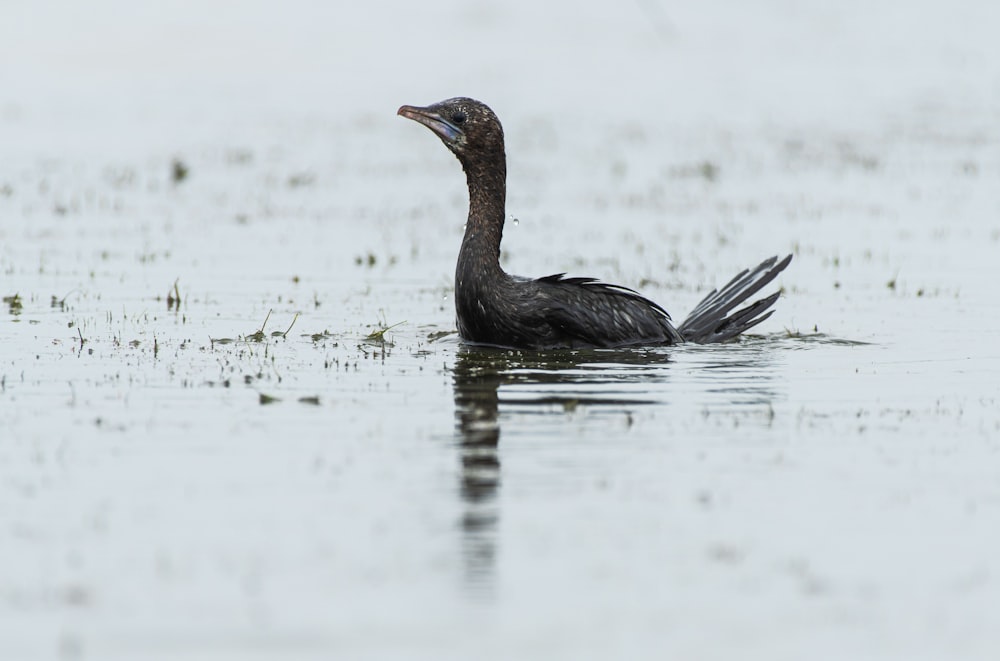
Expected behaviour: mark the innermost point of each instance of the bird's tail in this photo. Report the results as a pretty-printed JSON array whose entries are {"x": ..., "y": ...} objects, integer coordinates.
[{"x": 711, "y": 322}]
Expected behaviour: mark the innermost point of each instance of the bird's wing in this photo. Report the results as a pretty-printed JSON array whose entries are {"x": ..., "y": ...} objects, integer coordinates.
[{"x": 601, "y": 314}]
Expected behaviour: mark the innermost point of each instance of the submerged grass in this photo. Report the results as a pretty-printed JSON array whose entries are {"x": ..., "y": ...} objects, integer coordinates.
[
  {"x": 14, "y": 303},
  {"x": 377, "y": 336},
  {"x": 260, "y": 336},
  {"x": 437, "y": 335},
  {"x": 174, "y": 297},
  {"x": 819, "y": 338},
  {"x": 257, "y": 336}
]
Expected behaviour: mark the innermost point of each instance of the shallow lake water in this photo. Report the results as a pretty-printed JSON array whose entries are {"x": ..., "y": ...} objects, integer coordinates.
[{"x": 237, "y": 422}]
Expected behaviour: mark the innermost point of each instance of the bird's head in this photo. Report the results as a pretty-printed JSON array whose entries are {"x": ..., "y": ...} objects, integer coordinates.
[{"x": 465, "y": 126}]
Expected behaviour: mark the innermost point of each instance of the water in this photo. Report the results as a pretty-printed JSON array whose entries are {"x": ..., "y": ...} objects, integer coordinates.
[{"x": 301, "y": 460}]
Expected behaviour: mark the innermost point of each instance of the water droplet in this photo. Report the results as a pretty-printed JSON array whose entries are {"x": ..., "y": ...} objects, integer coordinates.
[{"x": 514, "y": 220}]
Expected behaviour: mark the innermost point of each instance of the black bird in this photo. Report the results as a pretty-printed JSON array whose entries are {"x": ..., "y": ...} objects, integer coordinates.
[{"x": 504, "y": 310}]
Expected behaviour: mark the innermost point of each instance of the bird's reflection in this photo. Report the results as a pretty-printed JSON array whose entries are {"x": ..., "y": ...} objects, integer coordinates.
[{"x": 569, "y": 378}]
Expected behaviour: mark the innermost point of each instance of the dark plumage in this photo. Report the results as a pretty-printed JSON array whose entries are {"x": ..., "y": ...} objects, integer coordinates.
[{"x": 496, "y": 308}]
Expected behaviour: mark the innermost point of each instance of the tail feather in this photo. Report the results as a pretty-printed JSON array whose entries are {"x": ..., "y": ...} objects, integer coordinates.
[{"x": 710, "y": 320}]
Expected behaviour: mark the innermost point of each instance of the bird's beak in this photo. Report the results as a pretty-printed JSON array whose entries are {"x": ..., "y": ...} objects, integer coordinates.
[{"x": 432, "y": 120}]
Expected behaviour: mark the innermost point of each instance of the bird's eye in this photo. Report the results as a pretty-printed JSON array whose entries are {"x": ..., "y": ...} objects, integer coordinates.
[{"x": 458, "y": 117}]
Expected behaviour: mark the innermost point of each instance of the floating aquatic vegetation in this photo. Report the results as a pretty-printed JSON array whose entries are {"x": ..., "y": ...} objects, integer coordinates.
[
  {"x": 377, "y": 336},
  {"x": 174, "y": 297},
  {"x": 179, "y": 171},
  {"x": 14, "y": 303}
]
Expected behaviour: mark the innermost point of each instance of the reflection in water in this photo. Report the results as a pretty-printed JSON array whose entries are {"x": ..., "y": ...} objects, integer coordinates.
[
  {"x": 566, "y": 378},
  {"x": 476, "y": 406},
  {"x": 733, "y": 378}
]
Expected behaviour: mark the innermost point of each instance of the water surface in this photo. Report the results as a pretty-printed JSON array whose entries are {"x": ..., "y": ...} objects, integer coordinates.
[{"x": 236, "y": 421}]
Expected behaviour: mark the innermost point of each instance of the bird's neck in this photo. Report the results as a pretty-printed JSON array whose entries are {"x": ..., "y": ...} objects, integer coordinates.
[{"x": 487, "y": 181}]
